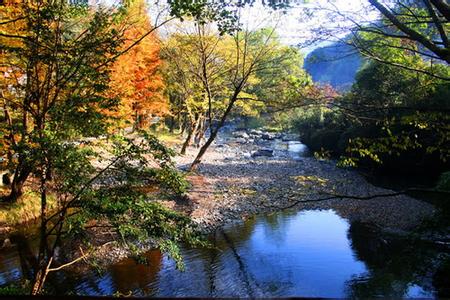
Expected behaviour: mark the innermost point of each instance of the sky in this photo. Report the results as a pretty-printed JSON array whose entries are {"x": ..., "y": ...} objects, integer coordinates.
[{"x": 297, "y": 25}]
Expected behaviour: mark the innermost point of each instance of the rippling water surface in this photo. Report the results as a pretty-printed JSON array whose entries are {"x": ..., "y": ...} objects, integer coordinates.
[{"x": 309, "y": 253}]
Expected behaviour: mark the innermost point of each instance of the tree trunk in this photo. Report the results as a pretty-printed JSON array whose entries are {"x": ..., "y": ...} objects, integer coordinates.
[
  {"x": 200, "y": 133},
  {"x": 183, "y": 125},
  {"x": 188, "y": 139},
  {"x": 171, "y": 124},
  {"x": 20, "y": 176},
  {"x": 39, "y": 279},
  {"x": 192, "y": 132},
  {"x": 214, "y": 132},
  {"x": 45, "y": 257},
  {"x": 202, "y": 151}
]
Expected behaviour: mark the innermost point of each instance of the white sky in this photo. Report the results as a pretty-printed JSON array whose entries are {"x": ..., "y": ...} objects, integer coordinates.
[{"x": 295, "y": 26}]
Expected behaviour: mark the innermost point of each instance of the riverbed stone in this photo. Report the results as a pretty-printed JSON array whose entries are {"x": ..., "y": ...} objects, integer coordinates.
[
  {"x": 241, "y": 134},
  {"x": 266, "y": 152},
  {"x": 268, "y": 136}
]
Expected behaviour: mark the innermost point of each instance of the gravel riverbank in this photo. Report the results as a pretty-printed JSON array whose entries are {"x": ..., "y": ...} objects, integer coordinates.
[{"x": 231, "y": 185}]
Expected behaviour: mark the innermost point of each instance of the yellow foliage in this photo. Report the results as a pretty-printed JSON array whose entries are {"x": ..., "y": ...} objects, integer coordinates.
[
  {"x": 27, "y": 208},
  {"x": 310, "y": 180}
]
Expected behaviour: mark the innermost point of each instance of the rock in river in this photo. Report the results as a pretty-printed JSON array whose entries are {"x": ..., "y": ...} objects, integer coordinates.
[
  {"x": 268, "y": 136},
  {"x": 240, "y": 134},
  {"x": 263, "y": 152}
]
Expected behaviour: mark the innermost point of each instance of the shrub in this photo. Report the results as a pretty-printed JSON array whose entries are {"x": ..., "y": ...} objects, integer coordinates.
[{"x": 444, "y": 182}]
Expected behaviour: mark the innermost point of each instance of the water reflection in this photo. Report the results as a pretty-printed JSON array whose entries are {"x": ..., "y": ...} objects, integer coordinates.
[
  {"x": 395, "y": 267},
  {"x": 309, "y": 253}
]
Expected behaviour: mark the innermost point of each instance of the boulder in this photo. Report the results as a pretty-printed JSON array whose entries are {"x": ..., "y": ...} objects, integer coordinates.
[
  {"x": 268, "y": 136},
  {"x": 255, "y": 132},
  {"x": 263, "y": 152},
  {"x": 240, "y": 134}
]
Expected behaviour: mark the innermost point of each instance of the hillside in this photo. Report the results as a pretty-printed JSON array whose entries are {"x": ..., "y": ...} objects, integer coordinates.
[{"x": 336, "y": 64}]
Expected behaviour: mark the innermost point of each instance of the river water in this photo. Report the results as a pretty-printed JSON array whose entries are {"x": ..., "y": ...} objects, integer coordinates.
[
  {"x": 308, "y": 253},
  {"x": 312, "y": 253}
]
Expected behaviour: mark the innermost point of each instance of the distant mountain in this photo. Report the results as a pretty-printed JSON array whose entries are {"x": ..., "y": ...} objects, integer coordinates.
[{"x": 336, "y": 65}]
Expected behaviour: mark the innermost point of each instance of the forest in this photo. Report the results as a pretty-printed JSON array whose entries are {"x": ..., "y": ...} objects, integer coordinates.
[{"x": 225, "y": 148}]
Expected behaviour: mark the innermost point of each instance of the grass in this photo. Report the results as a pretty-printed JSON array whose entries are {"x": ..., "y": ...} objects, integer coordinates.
[
  {"x": 170, "y": 138},
  {"x": 27, "y": 208}
]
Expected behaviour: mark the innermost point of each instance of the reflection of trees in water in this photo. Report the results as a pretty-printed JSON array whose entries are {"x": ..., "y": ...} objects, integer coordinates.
[
  {"x": 393, "y": 263},
  {"x": 276, "y": 225},
  {"x": 131, "y": 275},
  {"x": 240, "y": 233},
  {"x": 128, "y": 275},
  {"x": 243, "y": 272},
  {"x": 25, "y": 260}
]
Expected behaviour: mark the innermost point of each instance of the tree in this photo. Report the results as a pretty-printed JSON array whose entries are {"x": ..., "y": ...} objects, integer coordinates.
[
  {"x": 135, "y": 75},
  {"x": 408, "y": 112},
  {"x": 391, "y": 117},
  {"x": 111, "y": 199},
  {"x": 212, "y": 76},
  {"x": 424, "y": 22},
  {"x": 250, "y": 52},
  {"x": 195, "y": 70},
  {"x": 51, "y": 67}
]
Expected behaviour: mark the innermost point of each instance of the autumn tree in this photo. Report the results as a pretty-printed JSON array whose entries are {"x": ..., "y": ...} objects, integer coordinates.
[
  {"x": 53, "y": 79},
  {"x": 249, "y": 52},
  {"x": 136, "y": 77},
  {"x": 194, "y": 67},
  {"x": 12, "y": 26}
]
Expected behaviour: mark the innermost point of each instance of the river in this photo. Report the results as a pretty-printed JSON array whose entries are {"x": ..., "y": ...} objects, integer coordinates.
[{"x": 307, "y": 253}]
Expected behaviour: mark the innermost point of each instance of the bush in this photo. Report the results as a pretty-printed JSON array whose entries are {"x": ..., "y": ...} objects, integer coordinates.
[
  {"x": 15, "y": 289},
  {"x": 324, "y": 138},
  {"x": 444, "y": 182}
]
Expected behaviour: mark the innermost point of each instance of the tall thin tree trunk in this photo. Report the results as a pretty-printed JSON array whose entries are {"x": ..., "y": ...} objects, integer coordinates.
[
  {"x": 171, "y": 124},
  {"x": 192, "y": 133},
  {"x": 20, "y": 176},
  {"x": 214, "y": 132},
  {"x": 200, "y": 132},
  {"x": 188, "y": 139},
  {"x": 183, "y": 125},
  {"x": 202, "y": 151},
  {"x": 45, "y": 256},
  {"x": 40, "y": 279}
]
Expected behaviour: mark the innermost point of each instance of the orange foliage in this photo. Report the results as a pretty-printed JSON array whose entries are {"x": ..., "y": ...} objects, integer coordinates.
[
  {"x": 12, "y": 27},
  {"x": 135, "y": 75}
]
